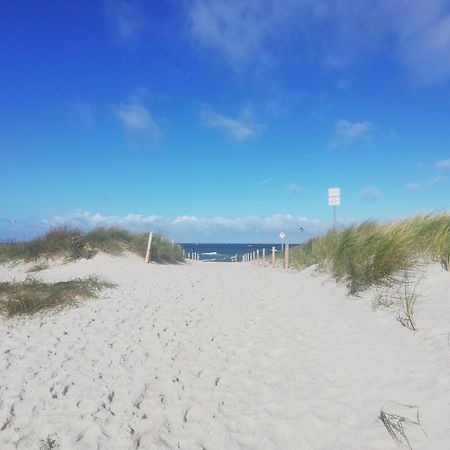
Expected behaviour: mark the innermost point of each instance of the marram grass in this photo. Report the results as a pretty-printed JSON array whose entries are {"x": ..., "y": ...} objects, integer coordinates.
[
  {"x": 32, "y": 296},
  {"x": 72, "y": 244},
  {"x": 375, "y": 254}
]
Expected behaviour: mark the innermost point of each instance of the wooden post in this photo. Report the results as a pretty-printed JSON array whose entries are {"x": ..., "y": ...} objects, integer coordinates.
[
  {"x": 257, "y": 255},
  {"x": 264, "y": 257},
  {"x": 149, "y": 248},
  {"x": 286, "y": 256},
  {"x": 254, "y": 256},
  {"x": 273, "y": 256}
]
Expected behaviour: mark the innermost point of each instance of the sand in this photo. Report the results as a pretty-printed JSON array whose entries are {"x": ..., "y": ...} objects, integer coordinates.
[{"x": 222, "y": 356}]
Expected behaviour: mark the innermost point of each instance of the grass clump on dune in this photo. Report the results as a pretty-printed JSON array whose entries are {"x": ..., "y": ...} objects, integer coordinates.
[
  {"x": 32, "y": 296},
  {"x": 374, "y": 254},
  {"x": 73, "y": 244}
]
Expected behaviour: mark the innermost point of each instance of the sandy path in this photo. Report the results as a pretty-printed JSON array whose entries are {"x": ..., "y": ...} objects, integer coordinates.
[{"x": 219, "y": 356}]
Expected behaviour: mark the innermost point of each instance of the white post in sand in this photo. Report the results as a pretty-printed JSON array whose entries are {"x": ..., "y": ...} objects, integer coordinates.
[
  {"x": 286, "y": 256},
  {"x": 257, "y": 255},
  {"x": 149, "y": 247},
  {"x": 273, "y": 256},
  {"x": 264, "y": 257},
  {"x": 254, "y": 256}
]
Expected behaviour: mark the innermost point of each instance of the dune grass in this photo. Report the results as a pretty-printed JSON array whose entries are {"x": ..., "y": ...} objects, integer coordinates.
[
  {"x": 73, "y": 244},
  {"x": 32, "y": 296},
  {"x": 375, "y": 254},
  {"x": 396, "y": 424}
]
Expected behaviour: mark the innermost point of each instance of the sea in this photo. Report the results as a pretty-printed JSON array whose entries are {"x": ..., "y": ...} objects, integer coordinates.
[{"x": 224, "y": 252}]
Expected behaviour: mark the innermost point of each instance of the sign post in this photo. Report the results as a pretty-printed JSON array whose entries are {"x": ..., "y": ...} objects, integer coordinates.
[{"x": 334, "y": 199}]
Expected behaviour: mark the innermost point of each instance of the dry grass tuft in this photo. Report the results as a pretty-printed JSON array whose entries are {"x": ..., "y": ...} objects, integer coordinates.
[{"x": 395, "y": 425}]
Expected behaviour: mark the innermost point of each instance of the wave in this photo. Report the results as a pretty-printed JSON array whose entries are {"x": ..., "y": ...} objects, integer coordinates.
[{"x": 209, "y": 253}]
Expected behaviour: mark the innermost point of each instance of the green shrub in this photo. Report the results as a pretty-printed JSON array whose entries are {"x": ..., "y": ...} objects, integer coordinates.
[{"x": 371, "y": 253}]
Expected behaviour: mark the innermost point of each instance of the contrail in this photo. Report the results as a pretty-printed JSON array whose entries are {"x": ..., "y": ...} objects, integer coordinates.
[{"x": 263, "y": 182}]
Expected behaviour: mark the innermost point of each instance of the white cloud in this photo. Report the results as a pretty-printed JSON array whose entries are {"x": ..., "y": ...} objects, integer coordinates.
[
  {"x": 127, "y": 19},
  {"x": 412, "y": 186},
  {"x": 295, "y": 188},
  {"x": 237, "y": 129},
  {"x": 137, "y": 121},
  {"x": 370, "y": 194},
  {"x": 438, "y": 180},
  {"x": 442, "y": 164},
  {"x": 190, "y": 228},
  {"x": 237, "y": 30},
  {"x": 412, "y": 33},
  {"x": 86, "y": 219},
  {"x": 244, "y": 229},
  {"x": 424, "y": 44},
  {"x": 185, "y": 219},
  {"x": 346, "y": 132}
]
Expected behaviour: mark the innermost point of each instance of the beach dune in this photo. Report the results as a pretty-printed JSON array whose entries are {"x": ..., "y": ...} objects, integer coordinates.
[{"x": 222, "y": 356}]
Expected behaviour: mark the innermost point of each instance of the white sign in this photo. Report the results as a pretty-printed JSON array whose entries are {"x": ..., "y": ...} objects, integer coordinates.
[
  {"x": 334, "y": 192},
  {"x": 282, "y": 235},
  {"x": 334, "y": 201},
  {"x": 334, "y": 196}
]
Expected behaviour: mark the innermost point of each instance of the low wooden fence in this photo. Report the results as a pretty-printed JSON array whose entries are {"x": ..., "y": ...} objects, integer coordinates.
[
  {"x": 192, "y": 256},
  {"x": 260, "y": 256}
]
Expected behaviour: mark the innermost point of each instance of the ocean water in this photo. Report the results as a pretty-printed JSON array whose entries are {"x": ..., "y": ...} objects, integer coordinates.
[{"x": 224, "y": 252}]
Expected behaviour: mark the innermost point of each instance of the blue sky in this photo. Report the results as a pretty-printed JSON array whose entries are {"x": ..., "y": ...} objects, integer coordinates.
[{"x": 221, "y": 121}]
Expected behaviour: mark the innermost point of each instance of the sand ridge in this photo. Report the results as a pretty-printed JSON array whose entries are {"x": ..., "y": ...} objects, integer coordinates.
[{"x": 220, "y": 356}]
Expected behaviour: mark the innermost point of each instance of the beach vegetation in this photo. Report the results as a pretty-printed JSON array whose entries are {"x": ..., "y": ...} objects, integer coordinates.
[
  {"x": 31, "y": 296},
  {"x": 408, "y": 296},
  {"x": 73, "y": 244},
  {"x": 372, "y": 253},
  {"x": 396, "y": 424}
]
